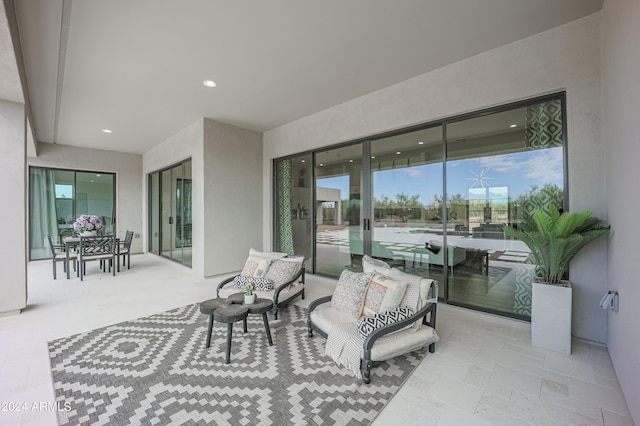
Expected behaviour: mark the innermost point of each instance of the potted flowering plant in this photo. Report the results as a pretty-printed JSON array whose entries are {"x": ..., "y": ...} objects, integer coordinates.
[
  {"x": 87, "y": 225},
  {"x": 249, "y": 295}
]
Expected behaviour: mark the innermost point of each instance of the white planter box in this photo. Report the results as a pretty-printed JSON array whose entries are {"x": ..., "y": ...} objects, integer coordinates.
[{"x": 551, "y": 317}]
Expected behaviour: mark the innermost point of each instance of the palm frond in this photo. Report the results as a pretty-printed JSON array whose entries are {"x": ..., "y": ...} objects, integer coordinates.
[{"x": 554, "y": 239}]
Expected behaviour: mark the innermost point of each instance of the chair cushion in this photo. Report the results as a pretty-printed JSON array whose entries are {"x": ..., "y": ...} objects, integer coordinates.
[
  {"x": 350, "y": 292},
  {"x": 283, "y": 270},
  {"x": 383, "y": 294},
  {"x": 255, "y": 267},
  {"x": 366, "y": 325},
  {"x": 387, "y": 347},
  {"x": 259, "y": 284}
]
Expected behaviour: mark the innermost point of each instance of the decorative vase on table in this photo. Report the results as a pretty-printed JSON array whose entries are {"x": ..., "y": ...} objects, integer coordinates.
[
  {"x": 87, "y": 225},
  {"x": 249, "y": 299}
]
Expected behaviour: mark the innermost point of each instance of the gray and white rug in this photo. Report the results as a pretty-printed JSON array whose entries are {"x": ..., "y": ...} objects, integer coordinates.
[{"x": 156, "y": 370}]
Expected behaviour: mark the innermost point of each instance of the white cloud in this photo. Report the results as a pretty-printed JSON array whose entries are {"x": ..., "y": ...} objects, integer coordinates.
[
  {"x": 543, "y": 165},
  {"x": 414, "y": 173}
]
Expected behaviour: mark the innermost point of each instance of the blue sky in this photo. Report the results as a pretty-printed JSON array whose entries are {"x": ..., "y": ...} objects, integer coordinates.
[{"x": 515, "y": 172}]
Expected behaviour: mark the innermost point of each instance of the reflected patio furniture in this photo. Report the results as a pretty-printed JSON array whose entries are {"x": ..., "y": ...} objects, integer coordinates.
[
  {"x": 378, "y": 251},
  {"x": 435, "y": 254},
  {"x": 124, "y": 250},
  {"x": 58, "y": 254},
  {"x": 102, "y": 248}
]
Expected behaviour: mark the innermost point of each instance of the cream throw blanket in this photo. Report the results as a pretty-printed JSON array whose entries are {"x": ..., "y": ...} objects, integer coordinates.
[{"x": 344, "y": 346}]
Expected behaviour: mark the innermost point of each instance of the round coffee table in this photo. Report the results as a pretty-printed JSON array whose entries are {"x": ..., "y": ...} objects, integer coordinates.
[
  {"x": 229, "y": 314},
  {"x": 231, "y": 310},
  {"x": 260, "y": 306},
  {"x": 208, "y": 307}
]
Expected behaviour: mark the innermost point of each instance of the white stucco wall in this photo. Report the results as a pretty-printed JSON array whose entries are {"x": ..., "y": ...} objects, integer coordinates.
[
  {"x": 233, "y": 195},
  {"x": 128, "y": 170},
  {"x": 621, "y": 108},
  {"x": 13, "y": 284},
  {"x": 564, "y": 58}
]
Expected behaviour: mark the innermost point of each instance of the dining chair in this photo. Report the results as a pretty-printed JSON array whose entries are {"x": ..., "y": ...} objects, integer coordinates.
[
  {"x": 125, "y": 250},
  {"x": 58, "y": 254},
  {"x": 102, "y": 248}
]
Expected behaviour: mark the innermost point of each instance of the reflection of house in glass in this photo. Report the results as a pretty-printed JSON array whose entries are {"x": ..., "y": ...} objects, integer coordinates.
[{"x": 328, "y": 206}]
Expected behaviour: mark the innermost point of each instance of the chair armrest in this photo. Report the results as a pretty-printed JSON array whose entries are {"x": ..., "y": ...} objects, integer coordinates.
[
  {"x": 390, "y": 328},
  {"x": 313, "y": 305},
  {"x": 223, "y": 283}
]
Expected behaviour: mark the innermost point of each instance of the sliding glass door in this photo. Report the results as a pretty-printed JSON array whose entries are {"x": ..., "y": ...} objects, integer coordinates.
[
  {"x": 433, "y": 201},
  {"x": 170, "y": 213},
  {"x": 338, "y": 209},
  {"x": 57, "y": 197},
  {"x": 500, "y": 168},
  {"x": 406, "y": 172}
]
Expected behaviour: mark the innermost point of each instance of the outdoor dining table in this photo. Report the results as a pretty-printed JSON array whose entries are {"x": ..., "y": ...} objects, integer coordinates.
[{"x": 74, "y": 242}]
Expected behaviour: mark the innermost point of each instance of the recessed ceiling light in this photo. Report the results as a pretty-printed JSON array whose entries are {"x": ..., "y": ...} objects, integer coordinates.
[
  {"x": 98, "y": 175},
  {"x": 513, "y": 125},
  {"x": 321, "y": 164},
  {"x": 351, "y": 161},
  {"x": 106, "y": 131},
  {"x": 373, "y": 156},
  {"x": 304, "y": 161},
  {"x": 398, "y": 153},
  {"x": 209, "y": 83},
  {"x": 420, "y": 143}
]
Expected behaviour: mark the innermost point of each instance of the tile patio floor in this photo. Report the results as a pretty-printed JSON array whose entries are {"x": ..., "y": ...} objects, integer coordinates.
[{"x": 484, "y": 371}]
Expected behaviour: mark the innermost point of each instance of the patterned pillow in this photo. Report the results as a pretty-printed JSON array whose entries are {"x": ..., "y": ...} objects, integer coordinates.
[
  {"x": 266, "y": 254},
  {"x": 259, "y": 284},
  {"x": 255, "y": 267},
  {"x": 349, "y": 294},
  {"x": 366, "y": 325},
  {"x": 383, "y": 294},
  {"x": 411, "y": 297},
  {"x": 283, "y": 270},
  {"x": 369, "y": 264}
]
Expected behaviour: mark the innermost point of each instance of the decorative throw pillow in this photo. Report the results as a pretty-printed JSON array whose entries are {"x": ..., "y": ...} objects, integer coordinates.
[
  {"x": 383, "y": 294},
  {"x": 369, "y": 264},
  {"x": 349, "y": 294},
  {"x": 366, "y": 325},
  {"x": 255, "y": 267},
  {"x": 267, "y": 254},
  {"x": 411, "y": 297},
  {"x": 259, "y": 284},
  {"x": 283, "y": 270}
]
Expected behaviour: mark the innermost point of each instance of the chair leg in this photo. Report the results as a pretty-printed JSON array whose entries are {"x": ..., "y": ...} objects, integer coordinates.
[
  {"x": 54, "y": 269},
  {"x": 128, "y": 260},
  {"x": 265, "y": 320},
  {"x": 366, "y": 371},
  {"x": 209, "y": 330},
  {"x": 227, "y": 359}
]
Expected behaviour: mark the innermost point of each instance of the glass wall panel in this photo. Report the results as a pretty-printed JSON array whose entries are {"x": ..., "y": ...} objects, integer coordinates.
[
  {"x": 154, "y": 212},
  {"x": 171, "y": 213},
  {"x": 294, "y": 209},
  {"x": 94, "y": 195},
  {"x": 338, "y": 210},
  {"x": 499, "y": 168},
  {"x": 58, "y": 197},
  {"x": 407, "y": 200}
]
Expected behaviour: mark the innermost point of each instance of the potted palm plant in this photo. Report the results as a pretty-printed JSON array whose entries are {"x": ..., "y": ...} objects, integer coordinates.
[{"x": 554, "y": 239}]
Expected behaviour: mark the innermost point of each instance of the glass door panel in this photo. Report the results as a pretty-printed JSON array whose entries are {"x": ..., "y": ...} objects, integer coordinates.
[
  {"x": 170, "y": 213},
  {"x": 154, "y": 212},
  {"x": 94, "y": 196},
  {"x": 338, "y": 210},
  {"x": 499, "y": 167},
  {"x": 407, "y": 200},
  {"x": 294, "y": 207}
]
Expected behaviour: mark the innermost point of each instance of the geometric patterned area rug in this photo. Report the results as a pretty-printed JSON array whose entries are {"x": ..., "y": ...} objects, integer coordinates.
[{"x": 156, "y": 370}]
